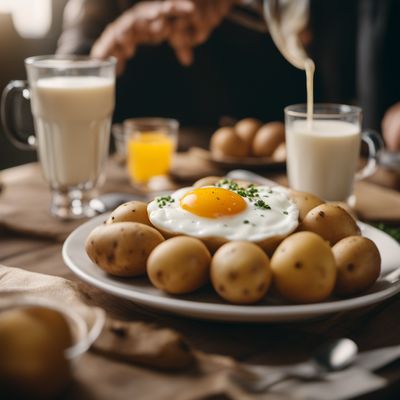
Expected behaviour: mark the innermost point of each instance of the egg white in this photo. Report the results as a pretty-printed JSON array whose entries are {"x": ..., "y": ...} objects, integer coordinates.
[{"x": 253, "y": 224}]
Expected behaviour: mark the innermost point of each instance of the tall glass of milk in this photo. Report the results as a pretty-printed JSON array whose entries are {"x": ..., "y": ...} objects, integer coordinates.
[
  {"x": 72, "y": 101},
  {"x": 322, "y": 158}
]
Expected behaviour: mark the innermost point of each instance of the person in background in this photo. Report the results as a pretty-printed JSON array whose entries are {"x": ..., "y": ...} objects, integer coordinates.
[{"x": 197, "y": 60}]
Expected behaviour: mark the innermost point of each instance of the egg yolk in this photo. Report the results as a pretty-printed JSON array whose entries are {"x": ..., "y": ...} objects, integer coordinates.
[{"x": 213, "y": 202}]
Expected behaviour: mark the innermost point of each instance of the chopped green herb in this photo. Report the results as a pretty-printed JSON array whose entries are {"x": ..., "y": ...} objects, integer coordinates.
[
  {"x": 285, "y": 212},
  {"x": 246, "y": 221},
  {"x": 393, "y": 231},
  {"x": 162, "y": 201},
  {"x": 262, "y": 204},
  {"x": 251, "y": 192}
]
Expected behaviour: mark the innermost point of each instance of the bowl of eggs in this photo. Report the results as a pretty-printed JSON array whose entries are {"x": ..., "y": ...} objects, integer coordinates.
[
  {"x": 231, "y": 250},
  {"x": 249, "y": 143}
]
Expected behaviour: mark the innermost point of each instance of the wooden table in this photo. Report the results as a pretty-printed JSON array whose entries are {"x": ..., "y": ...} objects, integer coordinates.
[{"x": 271, "y": 343}]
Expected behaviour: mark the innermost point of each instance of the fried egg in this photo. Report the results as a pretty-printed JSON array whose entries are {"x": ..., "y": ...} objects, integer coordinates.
[{"x": 226, "y": 211}]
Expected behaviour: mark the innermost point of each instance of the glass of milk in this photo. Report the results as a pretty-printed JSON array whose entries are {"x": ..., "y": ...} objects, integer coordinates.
[
  {"x": 72, "y": 101},
  {"x": 323, "y": 154}
]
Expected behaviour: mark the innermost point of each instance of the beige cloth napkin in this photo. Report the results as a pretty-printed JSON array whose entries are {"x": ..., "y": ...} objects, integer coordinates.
[{"x": 200, "y": 376}]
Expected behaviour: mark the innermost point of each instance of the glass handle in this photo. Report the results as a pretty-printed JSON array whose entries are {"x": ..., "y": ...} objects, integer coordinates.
[
  {"x": 375, "y": 145},
  {"x": 10, "y": 108}
]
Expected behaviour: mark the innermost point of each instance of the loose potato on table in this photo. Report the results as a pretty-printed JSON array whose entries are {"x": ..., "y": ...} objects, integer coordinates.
[
  {"x": 305, "y": 202},
  {"x": 331, "y": 222},
  {"x": 303, "y": 268},
  {"x": 225, "y": 142},
  {"x": 179, "y": 265},
  {"x": 132, "y": 211},
  {"x": 122, "y": 248},
  {"x": 240, "y": 272},
  {"x": 358, "y": 265},
  {"x": 32, "y": 345}
]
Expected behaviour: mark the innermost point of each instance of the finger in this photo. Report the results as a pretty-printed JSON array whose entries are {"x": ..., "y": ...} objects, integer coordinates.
[
  {"x": 159, "y": 30},
  {"x": 103, "y": 47},
  {"x": 200, "y": 25},
  {"x": 180, "y": 35},
  {"x": 121, "y": 60},
  {"x": 184, "y": 55},
  {"x": 177, "y": 8}
]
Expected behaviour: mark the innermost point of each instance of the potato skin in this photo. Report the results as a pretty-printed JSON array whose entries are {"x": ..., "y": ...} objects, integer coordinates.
[
  {"x": 225, "y": 142},
  {"x": 331, "y": 222},
  {"x": 122, "y": 248},
  {"x": 213, "y": 243},
  {"x": 303, "y": 268},
  {"x": 240, "y": 272},
  {"x": 32, "y": 362},
  {"x": 358, "y": 265},
  {"x": 268, "y": 138},
  {"x": 305, "y": 202},
  {"x": 132, "y": 211},
  {"x": 179, "y": 265}
]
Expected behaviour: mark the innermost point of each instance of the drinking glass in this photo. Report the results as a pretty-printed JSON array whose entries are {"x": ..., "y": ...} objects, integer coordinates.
[
  {"x": 323, "y": 154},
  {"x": 72, "y": 101},
  {"x": 151, "y": 143}
]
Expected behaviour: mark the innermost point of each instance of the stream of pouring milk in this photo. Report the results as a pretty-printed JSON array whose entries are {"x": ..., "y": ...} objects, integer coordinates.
[
  {"x": 309, "y": 66},
  {"x": 286, "y": 21}
]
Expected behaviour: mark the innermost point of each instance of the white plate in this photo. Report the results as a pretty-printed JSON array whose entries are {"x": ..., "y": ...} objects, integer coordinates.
[{"x": 206, "y": 304}]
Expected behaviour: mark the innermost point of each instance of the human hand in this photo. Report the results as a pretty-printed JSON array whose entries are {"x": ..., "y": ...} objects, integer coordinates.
[
  {"x": 187, "y": 33},
  {"x": 391, "y": 128},
  {"x": 148, "y": 22}
]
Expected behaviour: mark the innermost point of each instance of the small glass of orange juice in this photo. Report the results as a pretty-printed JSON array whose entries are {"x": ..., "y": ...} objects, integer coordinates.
[{"x": 151, "y": 143}]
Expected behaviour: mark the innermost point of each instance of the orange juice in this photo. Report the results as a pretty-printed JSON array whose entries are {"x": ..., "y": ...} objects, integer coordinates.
[{"x": 149, "y": 154}]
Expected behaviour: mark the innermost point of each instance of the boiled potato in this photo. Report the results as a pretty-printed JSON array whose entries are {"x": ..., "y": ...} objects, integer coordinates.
[
  {"x": 331, "y": 222},
  {"x": 32, "y": 361},
  {"x": 225, "y": 142},
  {"x": 179, "y": 265},
  {"x": 132, "y": 211},
  {"x": 303, "y": 268},
  {"x": 247, "y": 128},
  {"x": 358, "y": 265},
  {"x": 55, "y": 322},
  {"x": 268, "y": 138},
  {"x": 122, "y": 248},
  {"x": 240, "y": 272},
  {"x": 305, "y": 202}
]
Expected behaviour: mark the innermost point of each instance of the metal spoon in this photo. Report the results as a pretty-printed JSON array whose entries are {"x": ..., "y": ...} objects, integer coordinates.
[
  {"x": 109, "y": 201},
  {"x": 332, "y": 356}
]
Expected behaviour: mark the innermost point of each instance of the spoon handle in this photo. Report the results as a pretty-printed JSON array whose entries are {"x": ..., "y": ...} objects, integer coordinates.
[{"x": 257, "y": 379}]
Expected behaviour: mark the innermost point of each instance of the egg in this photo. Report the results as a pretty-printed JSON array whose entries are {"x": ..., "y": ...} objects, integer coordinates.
[
  {"x": 247, "y": 128},
  {"x": 268, "y": 138},
  {"x": 225, "y": 142},
  {"x": 279, "y": 154},
  {"x": 226, "y": 212}
]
